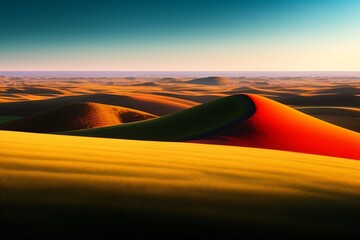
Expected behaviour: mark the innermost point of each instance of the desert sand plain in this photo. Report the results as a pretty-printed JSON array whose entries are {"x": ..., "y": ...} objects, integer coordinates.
[{"x": 223, "y": 158}]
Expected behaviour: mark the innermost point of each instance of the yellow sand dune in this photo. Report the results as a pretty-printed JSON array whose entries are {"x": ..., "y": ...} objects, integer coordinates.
[{"x": 61, "y": 186}]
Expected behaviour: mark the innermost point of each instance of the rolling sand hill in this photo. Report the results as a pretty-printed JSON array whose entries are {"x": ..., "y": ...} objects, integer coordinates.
[
  {"x": 212, "y": 81},
  {"x": 76, "y": 116},
  {"x": 146, "y": 84},
  {"x": 65, "y": 187},
  {"x": 169, "y": 80},
  {"x": 32, "y": 90},
  {"x": 342, "y": 116},
  {"x": 158, "y": 105},
  {"x": 188, "y": 124},
  {"x": 242, "y": 120},
  {"x": 341, "y": 100}
]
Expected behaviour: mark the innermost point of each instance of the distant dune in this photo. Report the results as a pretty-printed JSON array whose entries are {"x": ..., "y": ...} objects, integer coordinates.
[
  {"x": 341, "y": 100},
  {"x": 213, "y": 81},
  {"x": 32, "y": 90},
  {"x": 169, "y": 80},
  {"x": 201, "y": 98},
  {"x": 340, "y": 90},
  {"x": 345, "y": 117},
  {"x": 148, "y": 84},
  {"x": 76, "y": 116},
  {"x": 158, "y": 105}
]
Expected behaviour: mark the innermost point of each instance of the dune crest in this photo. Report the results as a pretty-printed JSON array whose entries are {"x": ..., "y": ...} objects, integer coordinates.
[{"x": 76, "y": 116}]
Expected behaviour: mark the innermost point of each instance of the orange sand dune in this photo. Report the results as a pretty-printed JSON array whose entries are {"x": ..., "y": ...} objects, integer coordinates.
[
  {"x": 76, "y": 116},
  {"x": 158, "y": 105},
  {"x": 276, "y": 126}
]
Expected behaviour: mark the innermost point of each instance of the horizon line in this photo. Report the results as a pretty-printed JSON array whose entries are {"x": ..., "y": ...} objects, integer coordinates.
[{"x": 179, "y": 70}]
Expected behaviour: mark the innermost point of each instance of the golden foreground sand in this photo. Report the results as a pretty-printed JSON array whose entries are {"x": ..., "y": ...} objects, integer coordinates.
[{"x": 60, "y": 186}]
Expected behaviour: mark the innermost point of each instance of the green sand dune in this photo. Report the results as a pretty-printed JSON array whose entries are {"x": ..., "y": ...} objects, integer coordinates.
[{"x": 5, "y": 119}]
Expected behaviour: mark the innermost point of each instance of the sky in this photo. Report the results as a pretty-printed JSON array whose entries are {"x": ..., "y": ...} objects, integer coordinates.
[{"x": 180, "y": 35}]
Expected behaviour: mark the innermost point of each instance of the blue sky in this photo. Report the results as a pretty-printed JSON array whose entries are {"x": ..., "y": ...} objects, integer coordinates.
[{"x": 177, "y": 35}]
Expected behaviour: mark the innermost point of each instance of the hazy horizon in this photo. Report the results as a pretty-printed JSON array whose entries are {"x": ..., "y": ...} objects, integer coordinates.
[{"x": 349, "y": 74}]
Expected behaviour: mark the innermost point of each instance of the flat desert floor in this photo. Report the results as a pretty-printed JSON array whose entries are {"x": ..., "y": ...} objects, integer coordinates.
[{"x": 225, "y": 158}]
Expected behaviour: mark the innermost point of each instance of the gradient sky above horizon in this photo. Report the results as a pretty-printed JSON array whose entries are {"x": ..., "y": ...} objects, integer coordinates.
[{"x": 180, "y": 35}]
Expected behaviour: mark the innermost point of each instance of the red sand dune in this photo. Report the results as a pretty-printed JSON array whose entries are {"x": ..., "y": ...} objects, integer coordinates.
[
  {"x": 277, "y": 126},
  {"x": 76, "y": 116}
]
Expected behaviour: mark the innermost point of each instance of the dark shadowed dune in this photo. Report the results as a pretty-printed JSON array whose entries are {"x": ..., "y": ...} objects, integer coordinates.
[
  {"x": 212, "y": 81},
  {"x": 340, "y": 90},
  {"x": 342, "y": 100},
  {"x": 169, "y": 80},
  {"x": 195, "y": 98},
  {"x": 146, "y": 84},
  {"x": 76, "y": 116},
  {"x": 32, "y": 90},
  {"x": 344, "y": 117}
]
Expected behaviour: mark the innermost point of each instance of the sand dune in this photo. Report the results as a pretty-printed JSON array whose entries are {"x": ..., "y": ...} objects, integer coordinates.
[
  {"x": 200, "y": 98},
  {"x": 149, "y": 84},
  {"x": 188, "y": 124},
  {"x": 169, "y": 80},
  {"x": 213, "y": 81},
  {"x": 345, "y": 117},
  {"x": 157, "y": 105},
  {"x": 342, "y": 100},
  {"x": 32, "y": 90},
  {"x": 7, "y": 119},
  {"x": 76, "y": 116},
  {"x": 50, "y": 184},
  {"x": 277, "y": 126},
  {"x": 340, "y": 89}
]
